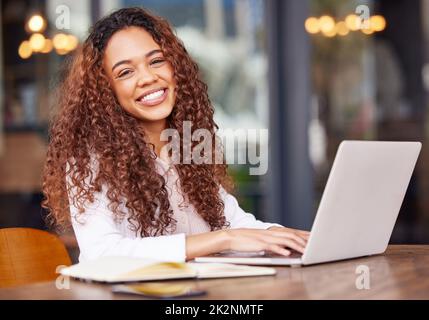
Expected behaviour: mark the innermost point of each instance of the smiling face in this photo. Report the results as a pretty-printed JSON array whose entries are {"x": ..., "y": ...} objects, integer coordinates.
[{"x": 141, "y": 78}]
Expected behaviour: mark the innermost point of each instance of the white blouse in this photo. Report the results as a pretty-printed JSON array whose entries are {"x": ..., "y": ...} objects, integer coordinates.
[{"x": 99, "y": 234}]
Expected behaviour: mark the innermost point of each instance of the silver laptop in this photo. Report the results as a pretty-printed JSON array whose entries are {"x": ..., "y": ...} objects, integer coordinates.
[{"x": 358, "y": 209}]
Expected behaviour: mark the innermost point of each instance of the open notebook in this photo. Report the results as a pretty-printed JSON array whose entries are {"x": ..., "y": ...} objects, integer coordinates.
[{"x": 125, "y": 269}]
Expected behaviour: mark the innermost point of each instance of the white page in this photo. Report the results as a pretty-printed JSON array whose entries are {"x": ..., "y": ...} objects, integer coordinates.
[{"x": 106, "y": 269}]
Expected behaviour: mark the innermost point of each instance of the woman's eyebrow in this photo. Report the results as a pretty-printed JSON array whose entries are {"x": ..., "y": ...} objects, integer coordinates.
[{"x": 147, "y": 55}]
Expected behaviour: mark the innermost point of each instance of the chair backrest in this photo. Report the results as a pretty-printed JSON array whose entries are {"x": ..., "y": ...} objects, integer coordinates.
[{"x": 30, "y": 255}]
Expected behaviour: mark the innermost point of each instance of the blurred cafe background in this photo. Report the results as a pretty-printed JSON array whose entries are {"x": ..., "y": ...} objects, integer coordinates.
[{"x": 313, "y": 72}]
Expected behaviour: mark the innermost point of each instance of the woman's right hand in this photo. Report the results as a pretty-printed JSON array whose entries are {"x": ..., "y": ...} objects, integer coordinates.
[{"x": 268, "y": 240}]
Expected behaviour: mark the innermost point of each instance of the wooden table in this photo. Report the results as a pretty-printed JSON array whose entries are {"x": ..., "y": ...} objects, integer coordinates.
[{"x": 401, "y": 273}]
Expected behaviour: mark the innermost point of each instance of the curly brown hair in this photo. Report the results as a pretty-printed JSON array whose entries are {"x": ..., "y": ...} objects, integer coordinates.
[{"x": 91, "y": 123}]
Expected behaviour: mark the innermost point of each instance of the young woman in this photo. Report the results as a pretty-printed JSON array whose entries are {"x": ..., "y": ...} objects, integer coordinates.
[{"x": 104, "y": 173}]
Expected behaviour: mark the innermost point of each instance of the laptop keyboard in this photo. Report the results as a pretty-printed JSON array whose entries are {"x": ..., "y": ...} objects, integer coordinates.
[
  {"x": 293, "y": 255},
  {"x": 261, "y": 254}
]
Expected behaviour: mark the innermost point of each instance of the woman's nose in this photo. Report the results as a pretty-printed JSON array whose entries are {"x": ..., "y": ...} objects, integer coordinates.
[{"x": 146, "y": 77}]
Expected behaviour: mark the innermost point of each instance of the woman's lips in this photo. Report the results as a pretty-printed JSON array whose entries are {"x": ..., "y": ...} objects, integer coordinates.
[{"x": 153, "y": 102}]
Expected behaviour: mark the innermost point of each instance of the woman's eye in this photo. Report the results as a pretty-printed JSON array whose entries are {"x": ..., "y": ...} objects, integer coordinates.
[
  {"x": 157, "y": 61},
  {"x": 124, "y": 73}
]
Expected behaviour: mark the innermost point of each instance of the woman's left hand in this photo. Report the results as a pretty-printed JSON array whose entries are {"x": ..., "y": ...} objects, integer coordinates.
[{"x": 301, "y": 236}]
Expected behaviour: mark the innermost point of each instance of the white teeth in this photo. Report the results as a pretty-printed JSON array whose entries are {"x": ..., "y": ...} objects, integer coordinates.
[{"x": 153, "y": 95}]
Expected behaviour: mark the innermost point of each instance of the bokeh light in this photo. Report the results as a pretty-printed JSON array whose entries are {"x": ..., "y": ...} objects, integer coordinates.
[
  {"x": 312, "y": 25},
  {"x": 72, "y": 42},
  {"x": 377, "y": 23},
  {"x": 327, "y": 24},
  {"x": 48, "y": 46},
  {"x": 341, "y": 28},
  {"x": 353, "y": 22},
  {"x": 37, "y": 42},
  {"x": 36, "y": 23},
  {"x": 60, "y": 41},
  {"x": 25, "y": 50}
]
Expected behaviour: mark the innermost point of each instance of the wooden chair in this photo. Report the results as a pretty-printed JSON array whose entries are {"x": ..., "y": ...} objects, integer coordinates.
[{"x": 29, "y": 255}]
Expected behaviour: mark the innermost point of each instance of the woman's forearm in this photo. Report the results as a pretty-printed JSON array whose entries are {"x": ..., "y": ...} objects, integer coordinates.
[{"x": 206, "y": 243}]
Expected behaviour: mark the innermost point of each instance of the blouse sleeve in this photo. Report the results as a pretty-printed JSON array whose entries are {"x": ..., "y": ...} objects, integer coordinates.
[
  {"x": 238, "y": 218},
  {"x": 99, "y": 234}
]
